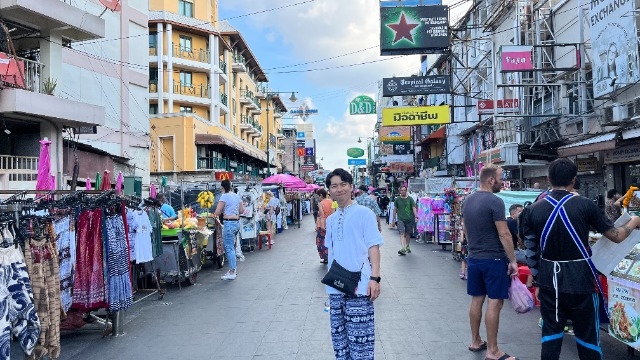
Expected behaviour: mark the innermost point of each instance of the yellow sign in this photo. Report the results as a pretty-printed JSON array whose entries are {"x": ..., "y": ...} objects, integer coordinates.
[
  {"x": 416, "y": 115},
  {"x": 395, "y": 133}
]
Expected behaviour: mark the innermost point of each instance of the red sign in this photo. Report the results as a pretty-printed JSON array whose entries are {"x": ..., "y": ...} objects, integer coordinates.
[
  {"x": 224, "y": 175},
  {"x": 504, "y": 105},
  {"x": 113, "y": 5},
  {"x": 301, "y": 152},
  {"x": 307, "y": 167},
  {"x": 11, "y": 70}
]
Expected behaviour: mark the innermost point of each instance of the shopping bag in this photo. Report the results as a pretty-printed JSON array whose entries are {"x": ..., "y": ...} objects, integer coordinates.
[{"x": 520, "y": 296}]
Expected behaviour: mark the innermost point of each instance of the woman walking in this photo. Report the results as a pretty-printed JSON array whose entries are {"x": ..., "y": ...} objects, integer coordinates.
[
  {"x": 324, "y": 210},
  {"x": 230, "y": 205},
  {"x": 272, "y": 205}
]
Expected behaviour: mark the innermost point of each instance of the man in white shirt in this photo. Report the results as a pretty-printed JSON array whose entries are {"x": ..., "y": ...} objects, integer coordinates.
[{"x": 353, "y": 241}]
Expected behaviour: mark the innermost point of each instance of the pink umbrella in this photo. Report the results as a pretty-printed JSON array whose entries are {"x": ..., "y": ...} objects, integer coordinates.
[
  {"x": 88, "y": 184},
  {"x": 44, "y": 166},
  {"x": 152, "y": 191},
  {"x": 285, "y": 180},
  {"x": 119, "y": 182},
  {"x": 106, "y": 181}
]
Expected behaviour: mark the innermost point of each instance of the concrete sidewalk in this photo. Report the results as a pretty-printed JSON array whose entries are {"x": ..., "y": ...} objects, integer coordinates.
[{"x": 275, "y": 310}]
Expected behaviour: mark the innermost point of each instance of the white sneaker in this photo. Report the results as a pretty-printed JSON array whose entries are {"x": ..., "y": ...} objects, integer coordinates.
[
  {"x": 240, "y": 258},
  {"x": 228, "y": 276}
]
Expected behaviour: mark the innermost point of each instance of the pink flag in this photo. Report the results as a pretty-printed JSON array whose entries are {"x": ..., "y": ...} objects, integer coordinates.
[{"x": 88, "y": 185}]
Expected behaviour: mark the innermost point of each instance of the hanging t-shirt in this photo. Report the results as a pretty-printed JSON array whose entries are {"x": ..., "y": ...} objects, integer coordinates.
[
  {"x": 140, "y": 231},
  {"x": 156, "y": 235}
]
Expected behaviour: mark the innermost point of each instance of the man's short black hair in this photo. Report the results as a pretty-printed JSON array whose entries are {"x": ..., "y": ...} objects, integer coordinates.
[
  {"x": 226, "y": 185},
  {"x": 514, "y": 206},
  {"x": 562, "y": 171},
  {"x": 363, "y": 188},
  {"x": 611, "y": 193},
  {"x": 342, "y": 173}
]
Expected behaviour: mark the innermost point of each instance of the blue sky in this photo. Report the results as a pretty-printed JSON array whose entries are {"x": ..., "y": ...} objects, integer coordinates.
[{"x": 314, "y": 31}]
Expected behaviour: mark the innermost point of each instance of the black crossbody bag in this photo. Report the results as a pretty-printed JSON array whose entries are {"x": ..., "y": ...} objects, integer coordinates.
[{"x": 342, "y": 279}]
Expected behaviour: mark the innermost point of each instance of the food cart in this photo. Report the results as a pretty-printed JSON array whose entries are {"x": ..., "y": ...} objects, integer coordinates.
[{"x": 181, "y": 256}]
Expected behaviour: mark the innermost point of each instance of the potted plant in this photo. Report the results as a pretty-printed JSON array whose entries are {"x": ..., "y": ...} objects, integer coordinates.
[{"x": 49, "y": 86}]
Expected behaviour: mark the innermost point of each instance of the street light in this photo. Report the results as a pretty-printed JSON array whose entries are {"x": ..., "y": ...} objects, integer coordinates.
[{"x": 270, "y": 96}]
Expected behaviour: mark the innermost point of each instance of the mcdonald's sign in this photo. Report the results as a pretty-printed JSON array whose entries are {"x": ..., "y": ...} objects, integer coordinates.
[{"x": 224, "y": 175}]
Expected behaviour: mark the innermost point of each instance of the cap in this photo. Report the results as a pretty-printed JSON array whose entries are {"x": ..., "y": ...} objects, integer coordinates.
[{"x": 363, "y": 188}]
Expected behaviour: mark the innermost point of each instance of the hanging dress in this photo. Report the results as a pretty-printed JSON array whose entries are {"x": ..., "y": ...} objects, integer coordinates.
[{"x": 88, "y": 284}]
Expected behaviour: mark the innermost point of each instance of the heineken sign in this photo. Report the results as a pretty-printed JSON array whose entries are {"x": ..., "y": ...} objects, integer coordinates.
[
  {"x": 411, "y": 30},
  {"x": 362, "y": 105}
]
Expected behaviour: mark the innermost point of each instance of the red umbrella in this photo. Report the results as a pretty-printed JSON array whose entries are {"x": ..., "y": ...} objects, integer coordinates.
[{"x": 44, "y": 167}]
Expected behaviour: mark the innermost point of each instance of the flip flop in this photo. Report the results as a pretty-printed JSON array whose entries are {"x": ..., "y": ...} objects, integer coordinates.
[
  {"x": 503, "y": 357},
  {"x": 483, "y": 346}
]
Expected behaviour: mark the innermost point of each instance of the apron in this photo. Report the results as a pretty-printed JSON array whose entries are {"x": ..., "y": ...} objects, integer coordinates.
[{"x": 559, "y": 212}]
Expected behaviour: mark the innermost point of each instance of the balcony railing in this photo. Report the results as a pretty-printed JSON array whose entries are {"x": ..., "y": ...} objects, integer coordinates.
[
  {"x": 209, "y": 163},
  {"x": 238, "y": 59},
  {"x": 19, "y": 168},
  {"x": 182, "y": 52},
  {"x": 223, "y": 99},
  {"x": 223, "y": 66},
  {"x": 201, "y": 90},
  {"x": 153, "y": 86},
  {"x": 22, "y": 74}
]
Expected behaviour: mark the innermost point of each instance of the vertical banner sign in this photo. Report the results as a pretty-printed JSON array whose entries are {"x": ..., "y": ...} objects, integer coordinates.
[
  {"x": 362, "y": 105},
  {"x": 412, "y": 30},
  {"x": 300, "y": 152},
  {"x": 516, "y": 58},
  {"x": 614, "y": 45}
]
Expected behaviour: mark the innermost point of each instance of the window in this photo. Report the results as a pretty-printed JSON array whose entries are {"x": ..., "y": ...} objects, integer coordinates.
[
  {"x": 186, "y": 78},
  {"x": 235, "y": 77},
  {"x": 185, "y": 43},
  {"x": 153, "y": 109},
  {"x": 153, "y": 75},
  {"x": 186, "y": 109},
  {"x": 153, "y": 40},
  {"x": 185, "y": 8}
]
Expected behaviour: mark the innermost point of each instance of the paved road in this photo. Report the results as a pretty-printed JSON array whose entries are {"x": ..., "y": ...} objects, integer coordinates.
[{"x": 275, "y": 310}]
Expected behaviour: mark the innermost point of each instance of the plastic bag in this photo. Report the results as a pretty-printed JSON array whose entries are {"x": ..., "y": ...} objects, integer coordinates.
[{"x": 521, "y": 298}]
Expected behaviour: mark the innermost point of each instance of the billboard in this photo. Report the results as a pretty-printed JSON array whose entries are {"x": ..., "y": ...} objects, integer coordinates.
[
  {"x": 414, "y": 30},
  {"x": 362, "y": 105},
  {"x": 416, "y": 85},
  {"x": 516, "y": 58},
  {"x": 390, "y": 134},
  {"x": 614, "y": 45},
  {"x": 416, "y": 115}
]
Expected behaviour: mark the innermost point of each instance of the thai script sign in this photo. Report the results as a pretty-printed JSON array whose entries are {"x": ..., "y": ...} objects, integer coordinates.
[
  {"x": 416, "y": 115},
  {"x": 416, "y": 85}
]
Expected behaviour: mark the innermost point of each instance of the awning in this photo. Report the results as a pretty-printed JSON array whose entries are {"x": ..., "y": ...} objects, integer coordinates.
[
  {"x": 209, "y": 139},
  {"x": 594, "y": 144},
  {"x": 434, "y": 136},
  {"x": 631, "y": 134}
]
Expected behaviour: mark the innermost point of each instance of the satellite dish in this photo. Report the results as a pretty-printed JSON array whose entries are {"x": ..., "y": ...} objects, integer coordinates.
[{"x": 113, "y": 5}]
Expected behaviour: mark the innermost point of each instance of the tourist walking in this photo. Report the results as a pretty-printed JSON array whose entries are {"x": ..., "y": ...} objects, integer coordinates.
[
  {"x": 353, "y": 242},
  {"x": 491, "y": 260},
  {"x": 556, "y": 234},
  {"x": 405, "y": 212},
  {"x": 230, "y": 206},
  {"x": 324, "y": 210}
]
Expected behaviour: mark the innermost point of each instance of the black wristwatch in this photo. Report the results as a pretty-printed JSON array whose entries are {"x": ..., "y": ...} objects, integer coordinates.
[{"x": 376, "y": 279}]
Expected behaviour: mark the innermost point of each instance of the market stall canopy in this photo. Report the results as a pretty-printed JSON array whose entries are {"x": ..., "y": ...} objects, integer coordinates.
[{"x": 285, "y": 180}]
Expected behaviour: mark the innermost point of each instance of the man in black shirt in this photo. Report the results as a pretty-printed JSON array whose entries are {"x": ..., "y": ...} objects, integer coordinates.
[
  {"x": 556, "y": 233},
  {"x": 512, "y": 224}
]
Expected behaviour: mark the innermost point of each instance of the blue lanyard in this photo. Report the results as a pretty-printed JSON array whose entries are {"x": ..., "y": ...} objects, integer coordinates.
[{"x": 558, "y": 210}]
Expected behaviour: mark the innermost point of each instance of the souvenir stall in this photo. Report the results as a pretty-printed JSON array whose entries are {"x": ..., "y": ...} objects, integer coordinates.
[
  {"x": 434, "y": 220},
  {"x": 294, "y": 203},
  {"x": 621, "y": 286},
  {"x": 65, "y": 238},
  {"x": 249, "y": 220}
]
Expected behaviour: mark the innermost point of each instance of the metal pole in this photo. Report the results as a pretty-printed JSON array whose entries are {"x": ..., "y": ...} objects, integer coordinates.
[
  {"x": 582, "y": 90},
  {"x": 268, "y": 138}
]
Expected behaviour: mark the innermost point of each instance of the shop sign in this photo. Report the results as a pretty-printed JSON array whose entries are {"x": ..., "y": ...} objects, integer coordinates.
[
  {"x": 355, "y": 152},
  {"x": 390, "y": 134},
  {"x": 401, "y": 167},
  {"x": 224, "y": 175},
  {"x": 622, "y": 154},
  {"x": 416, "y": 115},
  {"x": 386, "y": 149},
  {"x": 587, "y": 164},
  {"x": 416, "y": 85},
  {"x": 408, "y": 30},
  {"x": 362, "y": 105},
  {"x": 356, "y": 162},
  {"x": 233, "y": 164},
  {"x": 401, "y": 148},
  {"x": 301, "y": 151},
  {"x": 309, "y": 151},
  {"x": 504, "y": 105},
  {"x": 307, "y": 167},
  {"x": 516, "y": 58},
  {"x": 624, "y": 307}
]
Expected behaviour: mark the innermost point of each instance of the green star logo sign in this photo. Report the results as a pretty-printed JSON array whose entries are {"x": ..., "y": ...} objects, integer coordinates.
[{"x": 414, "y": 30}]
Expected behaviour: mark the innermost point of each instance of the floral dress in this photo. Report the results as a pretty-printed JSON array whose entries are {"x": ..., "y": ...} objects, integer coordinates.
[{"x": 326, "y": 209}]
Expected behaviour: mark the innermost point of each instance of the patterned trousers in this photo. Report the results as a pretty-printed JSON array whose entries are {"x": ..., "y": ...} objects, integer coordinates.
[{"x": 352, "y": 327}]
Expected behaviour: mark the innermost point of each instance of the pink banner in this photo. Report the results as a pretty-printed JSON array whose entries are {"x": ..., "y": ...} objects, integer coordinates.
[{"x": 517, "y": 58}]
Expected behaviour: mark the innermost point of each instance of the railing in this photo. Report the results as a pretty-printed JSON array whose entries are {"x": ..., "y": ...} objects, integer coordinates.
[
  {"x": 22, "y": 74},
  {"x": 208, "y": 163},
  {"x": 153, "y": 86},
  {"x": 238, "y": 59},
  {"x": 19, "y": 168},
  {"x": 223, "y": 66},
  {"x": 153, "y": 51},
  {"x": 201, "y": 90},
  {"x": 182, "y": 52},
  {"x": 223, "y": 99},
  {"x": 247, "y": 94}
]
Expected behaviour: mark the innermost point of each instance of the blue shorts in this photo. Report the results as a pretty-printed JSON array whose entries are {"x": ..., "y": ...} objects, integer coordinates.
[{"x": 488, "y": 277}]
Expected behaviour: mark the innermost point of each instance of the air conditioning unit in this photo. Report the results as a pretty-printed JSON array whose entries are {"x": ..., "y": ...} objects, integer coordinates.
[{"x": 620, "y": 112}]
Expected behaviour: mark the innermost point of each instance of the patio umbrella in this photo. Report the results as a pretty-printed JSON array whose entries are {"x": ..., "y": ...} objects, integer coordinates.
[
  {"x": 106, "y": 181},
  {"x": 98, "y": 181},
  {"x": 88, "y": 184},
  {"x": 119, "y": 182},
  {"x": 285, "y": 180},
  {"x": 152, "y": 191},
  {"x": 44, "y": 166}
]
